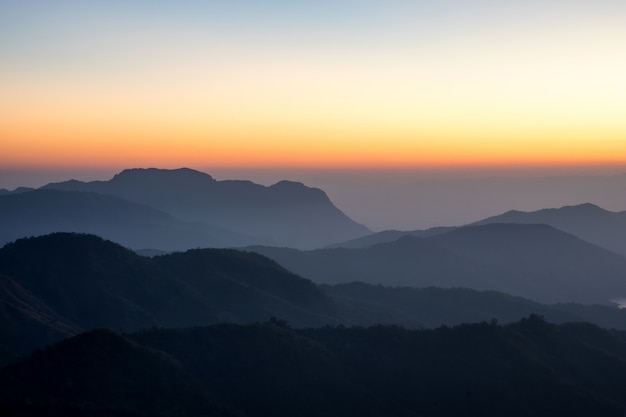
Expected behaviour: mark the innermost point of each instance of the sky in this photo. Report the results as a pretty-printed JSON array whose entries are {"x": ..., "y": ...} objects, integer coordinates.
[
  {"x": 311, "y": 84},
  {"x": 242, "y": 86}
]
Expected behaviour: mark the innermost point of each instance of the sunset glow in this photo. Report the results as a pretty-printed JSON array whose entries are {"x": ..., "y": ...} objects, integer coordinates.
[{"x": 335, "y": 84}]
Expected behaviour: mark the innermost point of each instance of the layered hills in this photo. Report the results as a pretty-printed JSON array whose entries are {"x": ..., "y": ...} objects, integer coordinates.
[
  {"x": 276, "y": 341},
  {"x": 532, "y": 261},
  {"x": 285, "y": 214},
  {"x": 585, "y": 221},
  {"x": 135, "y": 225},
  {"x": 97, "y": 283},
  {"x": 57, "y": 285}
]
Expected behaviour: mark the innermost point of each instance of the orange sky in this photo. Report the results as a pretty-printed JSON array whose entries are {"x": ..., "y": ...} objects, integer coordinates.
[{"x": 453, "y": 87}]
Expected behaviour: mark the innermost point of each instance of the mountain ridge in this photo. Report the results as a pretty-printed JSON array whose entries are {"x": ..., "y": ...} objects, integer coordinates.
[
  {"x": 287, "y": 213},
  {"x": 69, "y": 283},
  {"x": 534, "y": 261},
  {"x": 586, "y": 221},
  {"x": 136, "y": 225}
]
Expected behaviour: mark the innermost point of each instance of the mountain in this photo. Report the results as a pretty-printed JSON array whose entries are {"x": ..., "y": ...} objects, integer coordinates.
[
  {"x": 432, "y": 307},
  {"x": 134, "y": 225},
  {"x": 408, "y": 261},
  {"x": 388, "y": 236},
  {"x": 528, "y": 368},
  {"x": 532, "y": 261},
  {"x": 101, "y": 373},
  {"x": 55, "y": 286},
  {"x": 97, "y": 283},
  {"x": 87, "y": 280},
  {"x": 285, "y": 214},
  {"x": 18, "y": 190},
  {"x": 586, "y": 221},
  {"x": 27, "y": 322}
]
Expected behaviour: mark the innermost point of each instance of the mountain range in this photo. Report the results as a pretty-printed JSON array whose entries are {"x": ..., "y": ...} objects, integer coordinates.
[
  {"x": 529, "y": 260},
  {"x": 59, "y": 285},
  {"x": 136, "y": 225},
  {"x": 284, "y": 214},
  {"x": 285, "y": 333},
  {"x": 586, "y": 221},
  {"x": 168, "y": 210}
]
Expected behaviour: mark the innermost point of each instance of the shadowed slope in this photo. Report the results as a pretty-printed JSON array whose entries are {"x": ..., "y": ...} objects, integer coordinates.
[
  {"x": 97, "y": 283},
  {"x": 26, "y": 322}
]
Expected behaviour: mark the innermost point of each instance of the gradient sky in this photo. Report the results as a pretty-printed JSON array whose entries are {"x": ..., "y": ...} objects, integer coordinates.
[{"x": 311, "y": 84}]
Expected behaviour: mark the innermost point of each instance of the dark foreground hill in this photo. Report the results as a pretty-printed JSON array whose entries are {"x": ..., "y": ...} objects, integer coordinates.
[
  {"x": 26, "y": 322},
  {"x": 54, "y": 286},
  {"x": 529, "y": 368},
  {"x": 284, "y": 214},
  {"x": 90, "y": 282},
  {"x": 532, "y": 261}
]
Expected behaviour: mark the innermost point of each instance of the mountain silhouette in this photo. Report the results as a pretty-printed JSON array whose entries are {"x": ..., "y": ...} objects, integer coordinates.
[
  {"x": 387, "y": 236},
  {"x": 57, "y": 285},
  {"x": 532, "y": 261},
  {"x": 285, "y": 214},
  {"x": 18, "y": 190},
  {"x": 27, "y": 322},
  {"x": 135, "y": 225},
  {"x": 94, "y": 368},
  {"x": 97, "y": 283},
  {"x": 527, "y": 368},
  {"x": 587, "y": 221}
]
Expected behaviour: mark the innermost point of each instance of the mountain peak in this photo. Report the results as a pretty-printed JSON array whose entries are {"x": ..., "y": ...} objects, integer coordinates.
[
  {"x": 587, "y": 207},
  {"x": 158, "y": 173},
  {"x": 586, "y": 221},
  {"x": 287, "y": 213},
  {"x": 300, "y": 192},
  {"x": 289, "y": 184}
]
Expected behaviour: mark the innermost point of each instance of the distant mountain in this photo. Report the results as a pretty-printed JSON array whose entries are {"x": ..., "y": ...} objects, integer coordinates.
[
  {"x": 284, "y": 214},
  {"x": 528, "y": 368},
  {"x": 18, "y": 190},
  {"x": 532, "y": 261},
  {"x": 388, "y": 236},
  {"x": 586, "y": 221},
  {"x": 135, "y": 225},
  {"x": 409, "y": 261}
]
